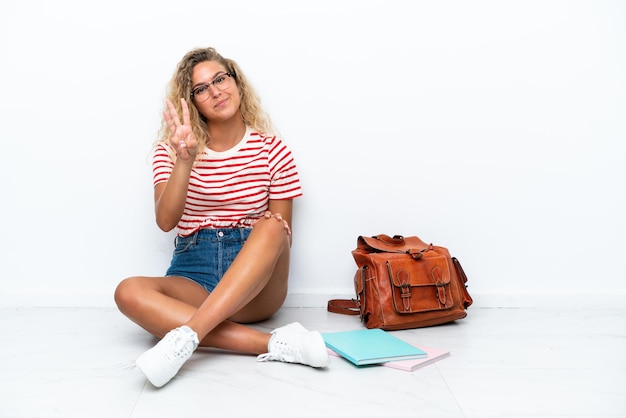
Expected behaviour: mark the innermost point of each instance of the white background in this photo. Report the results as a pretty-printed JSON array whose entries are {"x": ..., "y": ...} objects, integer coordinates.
[{"x": 495, "y": 128}]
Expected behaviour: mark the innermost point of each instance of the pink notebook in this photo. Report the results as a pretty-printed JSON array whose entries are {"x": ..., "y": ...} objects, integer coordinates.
[{"x": 433, "y": 355}]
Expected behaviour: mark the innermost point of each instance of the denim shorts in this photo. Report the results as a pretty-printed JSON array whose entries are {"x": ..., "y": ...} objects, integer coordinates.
[{"x": 204, "y": 256}]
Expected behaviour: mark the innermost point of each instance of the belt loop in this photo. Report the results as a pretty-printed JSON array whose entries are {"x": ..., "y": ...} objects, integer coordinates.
[{"x": 194, "y": 237}]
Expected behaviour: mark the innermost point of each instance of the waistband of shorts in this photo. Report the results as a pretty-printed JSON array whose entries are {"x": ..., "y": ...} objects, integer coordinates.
[{"x": 218, "y": 234}]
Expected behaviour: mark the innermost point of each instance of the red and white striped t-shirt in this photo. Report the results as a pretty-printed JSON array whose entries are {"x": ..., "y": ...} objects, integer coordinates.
[{"x": 233, "y": 188}]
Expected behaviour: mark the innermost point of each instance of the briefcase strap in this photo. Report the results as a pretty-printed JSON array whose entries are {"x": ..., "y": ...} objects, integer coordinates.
[{"x": 344, "y": 306}]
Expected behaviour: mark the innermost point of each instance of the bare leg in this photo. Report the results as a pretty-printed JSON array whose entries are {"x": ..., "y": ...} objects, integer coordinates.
[
  {"x": 160, "y": 304},
  {"x": 255, "y": 285}
]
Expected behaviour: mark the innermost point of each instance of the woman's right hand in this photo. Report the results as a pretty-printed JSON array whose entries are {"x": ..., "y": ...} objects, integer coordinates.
[{"x": 182, "y": 138}]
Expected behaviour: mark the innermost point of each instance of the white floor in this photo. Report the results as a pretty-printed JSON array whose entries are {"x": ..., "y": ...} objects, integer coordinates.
[{"x": 504, "y": 363}]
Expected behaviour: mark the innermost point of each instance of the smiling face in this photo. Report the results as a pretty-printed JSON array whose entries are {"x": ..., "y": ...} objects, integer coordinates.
[{"x": 216, "y": 94}]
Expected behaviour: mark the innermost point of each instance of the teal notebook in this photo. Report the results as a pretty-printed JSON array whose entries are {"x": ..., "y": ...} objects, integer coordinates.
[{"x": 370, "y": 346}]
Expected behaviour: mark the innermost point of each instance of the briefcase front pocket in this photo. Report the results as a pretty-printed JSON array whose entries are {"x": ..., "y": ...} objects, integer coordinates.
[{"x": 420, "y": 285}]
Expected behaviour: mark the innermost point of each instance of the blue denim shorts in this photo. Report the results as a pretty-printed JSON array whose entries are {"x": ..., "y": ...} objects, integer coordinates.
[{"x": 204, "y": 256}]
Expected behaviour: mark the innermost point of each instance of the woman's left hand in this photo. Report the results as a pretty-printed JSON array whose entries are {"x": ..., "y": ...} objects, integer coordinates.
[{"x": 279, "y": 218}]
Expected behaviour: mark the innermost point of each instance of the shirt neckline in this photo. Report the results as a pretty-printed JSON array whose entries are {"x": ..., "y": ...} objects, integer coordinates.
[{"x": 231, "y": 151}]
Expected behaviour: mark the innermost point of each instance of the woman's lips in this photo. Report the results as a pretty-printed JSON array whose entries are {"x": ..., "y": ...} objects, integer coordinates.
[{"x": 221, "y": 103}]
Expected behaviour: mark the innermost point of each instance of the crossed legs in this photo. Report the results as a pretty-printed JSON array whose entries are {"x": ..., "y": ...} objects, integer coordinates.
[{"x": 252, "y": 289}]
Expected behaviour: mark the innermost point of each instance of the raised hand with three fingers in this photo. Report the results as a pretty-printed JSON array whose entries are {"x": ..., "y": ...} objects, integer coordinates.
[{"x": 182, "y": 138}]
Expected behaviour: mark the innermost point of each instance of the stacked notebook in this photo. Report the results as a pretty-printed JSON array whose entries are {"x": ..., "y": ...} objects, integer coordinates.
[{"x": 375, "y": 346}]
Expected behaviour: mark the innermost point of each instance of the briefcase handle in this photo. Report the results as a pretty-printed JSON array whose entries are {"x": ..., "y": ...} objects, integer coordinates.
[{"x": 395, "y": 240}]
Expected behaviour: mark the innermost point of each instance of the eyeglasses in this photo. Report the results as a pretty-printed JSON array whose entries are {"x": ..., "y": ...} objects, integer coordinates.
[{"x": 221, "y": 82}]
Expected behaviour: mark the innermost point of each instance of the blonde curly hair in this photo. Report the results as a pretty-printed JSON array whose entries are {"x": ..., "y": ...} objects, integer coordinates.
[{"x": 180, "y": 86}]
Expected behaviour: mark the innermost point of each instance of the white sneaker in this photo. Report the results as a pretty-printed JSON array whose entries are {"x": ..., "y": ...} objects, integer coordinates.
[
  {"x": 294, "y": 344},
  {"x": 163, "y": 361}
]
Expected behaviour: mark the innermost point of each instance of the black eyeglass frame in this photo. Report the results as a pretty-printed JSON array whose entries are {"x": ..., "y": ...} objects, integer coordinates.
[{"x": 207, "y": 85}]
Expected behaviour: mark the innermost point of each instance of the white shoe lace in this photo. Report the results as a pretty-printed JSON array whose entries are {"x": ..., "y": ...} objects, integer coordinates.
[
  {"x": 282, "y": 351},
  {"x": 181, "y": 344},
  {"x": 295, "y": 344}
]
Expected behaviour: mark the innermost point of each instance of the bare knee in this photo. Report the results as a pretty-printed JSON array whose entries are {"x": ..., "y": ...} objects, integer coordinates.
[
  {"x": 272, "y": 230},
  {"x": 127, "y": 294}
]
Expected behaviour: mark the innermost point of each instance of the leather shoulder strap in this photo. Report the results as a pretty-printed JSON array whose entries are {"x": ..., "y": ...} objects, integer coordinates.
[{"x": 343, "y": 306}]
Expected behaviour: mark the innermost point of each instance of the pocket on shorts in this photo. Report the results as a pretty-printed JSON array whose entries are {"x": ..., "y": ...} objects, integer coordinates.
[{"x": 182, "y": 244}]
